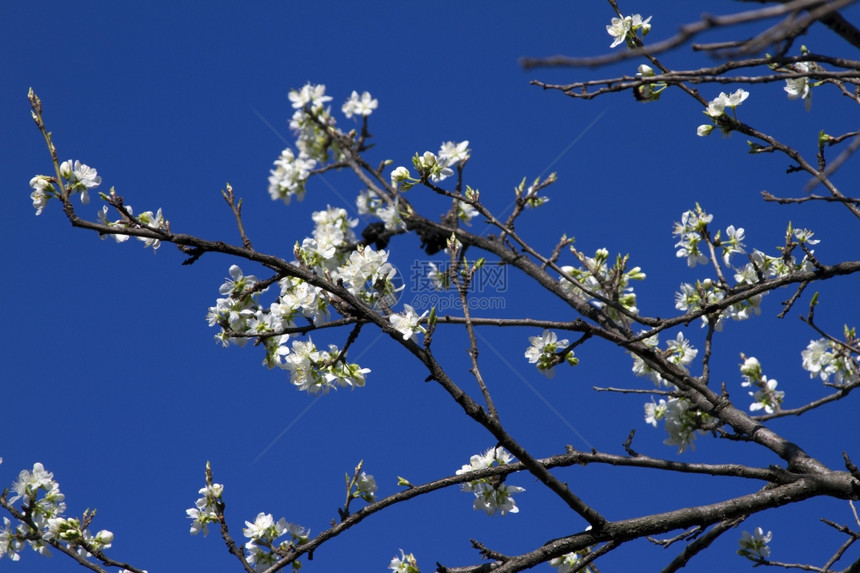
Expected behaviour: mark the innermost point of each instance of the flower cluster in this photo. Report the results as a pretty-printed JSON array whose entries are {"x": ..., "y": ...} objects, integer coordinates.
[
  {"x": 43, "y": 190},
  {"x": 369, "y": 203},
  {"x": 648, "y": 91},
  {"x": 333, "y": 237},
  {"x": 262, "y": 546},
  {"x": 678, "y": 351},
  {"x": 288, "y": 178},
  {"x": 625, "y": 28},
  {"x": 314, "y": 370},
  {"x": 69, "y": 530},
  {"x": 767, "y": 397},
  {"x": 754, "y": 546},
  {"x": 695, "y": 241},
  {"x": 825, "y": 358},
  {"x": 542, "y": 352},
  {"x": 312, "y": 123},
  {"x": 717, "y": 109},
  {"x": 43, "y": 501},
  {"x": 299, "y": 299},
  {"x": 79, "y": 178},
  {"x": 240, "y": 314},
  {"x": 241, "y": 317},
  {"x": 598, "y": 277},
  {"x": 44, "y": 504},
  {"x": 368, "y": 275},
  {"x": 692, "y": 297},
  {"x": 681, "y": 421},
  {"x": 406, "y": 563},
  {"x": 207, "y": 509},
  {"x": 432, "y": 167},
  {"x": 717, "y": 106},
  {"x": 362, "y": 105},
  {"x": 492, "y": 495},
  {"x": 691, "y": 232},
  {"x": 145, "y": 220}
]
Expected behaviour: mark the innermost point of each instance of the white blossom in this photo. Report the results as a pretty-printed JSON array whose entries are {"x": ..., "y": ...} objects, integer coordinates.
[
  {"x": 401, "y": 179},
  {"x": 570, "y": 561},
  {"x": 310, "y": 95},
  {"x": 81, "y": 178},
  {"x": 453, "y": 153},
  {"x": 754, "y": 546},
  {"x": 406, "y": 563},
  {"x": 718, "y": 105},
  {"x": 800, "y": 88},
  {"x": 620, "y": 27},
  {"x": 366, "y": 487},
  {"x": 288, "y": 178},
  {"x": 263, "y": 534},
  {"x": 362, "y": 105},
  {"x": 704, "y": 130},
  {"x": 433, "y": 167},
  {"x": 543, "y": 349},
  {"x": 408, "y": 323},
  {"x": 43, "y": 190},
  {"x": 492, "y": 495},
  {"x": 205, "y": 510}
]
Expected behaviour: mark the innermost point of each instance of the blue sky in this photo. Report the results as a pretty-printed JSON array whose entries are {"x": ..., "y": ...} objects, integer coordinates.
[{"x": 112, "y": 379}]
